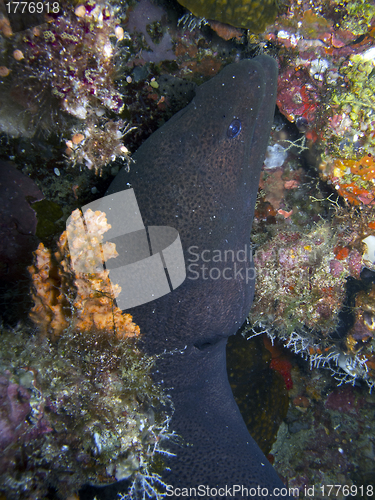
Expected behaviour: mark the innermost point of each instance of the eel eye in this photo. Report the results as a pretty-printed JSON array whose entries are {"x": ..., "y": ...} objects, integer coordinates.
[{"x": 234, "y": 129}]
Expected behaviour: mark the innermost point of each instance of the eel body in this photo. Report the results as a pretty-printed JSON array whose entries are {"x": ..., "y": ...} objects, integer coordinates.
[{"x": 199, "y": 174}]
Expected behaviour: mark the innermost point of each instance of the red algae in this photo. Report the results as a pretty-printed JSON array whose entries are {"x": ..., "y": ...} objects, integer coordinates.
[{"x": 283, "y": 366}]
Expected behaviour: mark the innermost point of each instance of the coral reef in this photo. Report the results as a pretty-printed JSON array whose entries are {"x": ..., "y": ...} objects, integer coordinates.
[
  {"x": 325, "y": 82},
  {"x": 308, "y": 272},
  {"x": 77, "y": 395},
  {"x": 81, "y": 78},
  {"x": 296, "y": 96},
  {"x": 360, "y": 342},
  {"x": 69, "y": 63},
  {"x": 306, "y": 254},
  {"x": 302, "y": 285},
  {"x": 349, "y": 139},
  {"x": 349, "y": 133},
  {"x": 80, "y": 409}
]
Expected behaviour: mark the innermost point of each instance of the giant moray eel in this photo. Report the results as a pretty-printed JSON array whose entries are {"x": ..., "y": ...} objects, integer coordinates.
[{"x": 199, "y": 173}]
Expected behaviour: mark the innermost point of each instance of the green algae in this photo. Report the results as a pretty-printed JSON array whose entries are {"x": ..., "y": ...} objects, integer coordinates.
[
  {"x": 354, "y": 102},
  {"x": 359, "y": 17}
]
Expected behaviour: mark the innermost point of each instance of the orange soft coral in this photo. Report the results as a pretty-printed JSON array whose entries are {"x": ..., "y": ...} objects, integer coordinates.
[
  {"x": 353, "y": 179},
  {"x": 67, "y": 292}
]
